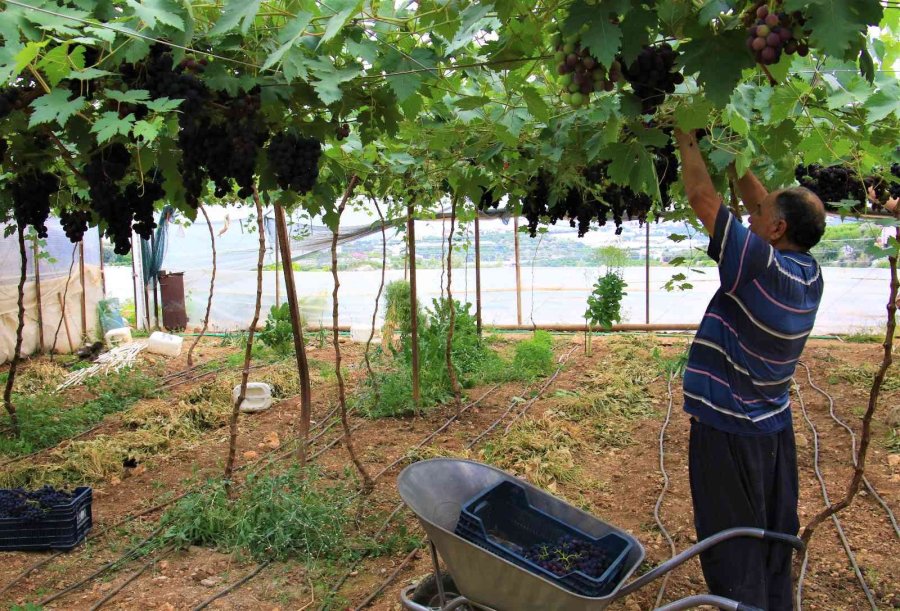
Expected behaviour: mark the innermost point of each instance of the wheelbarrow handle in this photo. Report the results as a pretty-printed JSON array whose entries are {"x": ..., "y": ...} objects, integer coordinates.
[
  {"x": 690, "y": 602},
  {"x": 702, "y": 546}
]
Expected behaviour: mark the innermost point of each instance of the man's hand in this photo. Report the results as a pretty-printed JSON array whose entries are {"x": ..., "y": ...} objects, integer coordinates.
[{"x": 698, "y": 186}]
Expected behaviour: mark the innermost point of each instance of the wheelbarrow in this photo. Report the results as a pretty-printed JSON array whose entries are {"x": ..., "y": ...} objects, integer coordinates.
[{"x": 436, "y": 491}]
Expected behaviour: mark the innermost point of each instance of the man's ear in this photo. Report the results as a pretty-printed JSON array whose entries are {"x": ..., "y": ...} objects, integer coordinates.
[{"x": 780, "y": 229}]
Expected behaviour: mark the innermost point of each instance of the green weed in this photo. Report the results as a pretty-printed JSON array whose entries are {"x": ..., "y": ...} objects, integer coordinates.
[
  {"x": 46, "y": 418},
  {"x": 276, "y": 516}
]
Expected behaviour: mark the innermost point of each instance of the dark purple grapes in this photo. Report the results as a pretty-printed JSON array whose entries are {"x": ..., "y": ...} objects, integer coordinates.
[
  {"x": 652, "y": 77},
  {"x": 295, "y": 161},
  {"x": 31, "y": 193},
  {"x": 568, "y": 554},
  {"x": 9, "y": 100},
  {"x": 74, "y": 223},
  {"x": 832, "y": 184},
  {"x": 31, "y": 505}
]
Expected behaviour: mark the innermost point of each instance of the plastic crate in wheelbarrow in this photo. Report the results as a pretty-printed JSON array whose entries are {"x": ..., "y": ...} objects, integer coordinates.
[
  {"x": 61, "y": 527},
  {"x": 436, "y": 491},
  {"x": 502, "y": 521}
]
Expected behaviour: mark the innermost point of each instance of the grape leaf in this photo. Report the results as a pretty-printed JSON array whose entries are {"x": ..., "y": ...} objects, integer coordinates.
[
  {"x": 152, "y": 12},
  {"x": 54, "y": 106},
  {"x": 343, "y": 10},
  {"x": 693, "y": 115},
  {"x": 472, "y": 19},
  {"x": 329, "y": 79},
  {"x": 535, "y": 103},
  {"x": 884, "y": 102},
  {"x": 602, "y": 37},
  {"x": 109, "y": 124},
  {"x": 236, "y": 12},
  {"x": 28, "y": 53},
  {"x": 148, "y": 130},
  {"x": 59, "y": 62},
  {"x": 718, "y": 60},
  {"x": 472, "y": 102},
  {"x": 836, "y": 24},
  {"x": 163, "y": 104},
  {"x": 636, "y": 31},
  {"x": 88, "y": 74},
  {"x": 630, "y": 165},
  {"x": 288, "y": 37},
  {"x": 132, "y": 96},
  {"x": 405, "y": 85}
]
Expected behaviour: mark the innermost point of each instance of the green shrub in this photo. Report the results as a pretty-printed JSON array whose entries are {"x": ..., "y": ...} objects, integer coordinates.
[
  {"x": 533, "y": 357},
  {"x": 278, "y": 334},
  {"x": 276, "y": 516}
]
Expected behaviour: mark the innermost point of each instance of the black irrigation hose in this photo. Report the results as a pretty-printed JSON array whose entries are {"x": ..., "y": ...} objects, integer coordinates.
[
  {"x": 834, "y": 518},
  {"x": 262, "y": 565},
  {"x": 659, "y": 500},
  {"x": 30, "y": 570},
  {"x": 115, "y": 591},
  {"x": 869, "y": 487},
  {"x": 123, "y": 558}
]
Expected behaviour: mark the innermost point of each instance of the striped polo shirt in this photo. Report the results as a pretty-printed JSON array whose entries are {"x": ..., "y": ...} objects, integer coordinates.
[{"x": 740, "y": 365}]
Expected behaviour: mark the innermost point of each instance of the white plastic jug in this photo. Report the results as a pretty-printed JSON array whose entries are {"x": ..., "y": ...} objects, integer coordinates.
[
  {"x": 257, "y": 398},
  {"x": 165, "y": 344},
  {"x": 114, "y": 337}
]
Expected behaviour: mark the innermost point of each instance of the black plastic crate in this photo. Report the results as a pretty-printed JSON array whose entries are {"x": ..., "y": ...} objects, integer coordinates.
[
  {"x": 61, "y": 527},
  {"x": 501, "y": 520}
]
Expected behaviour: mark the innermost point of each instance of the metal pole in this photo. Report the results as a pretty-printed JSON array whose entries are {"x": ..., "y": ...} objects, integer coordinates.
[
  {"x": 37, "y": 291},
  {"x": 477, "y": 274},
  {"x": 414, "y": 309},
  {"x": 284, "y": 244},
  {"x": 84, "y": 331},
  {"x": 647, "y": 274},
  {"x": 518, "y": 272},
  {"x": 102, "y": 268},
  {"x": 137, "y": 318},
  {"x": 155, "y": 281}
]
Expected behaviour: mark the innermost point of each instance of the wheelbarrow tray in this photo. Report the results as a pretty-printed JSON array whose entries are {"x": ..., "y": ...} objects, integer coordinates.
[{"x": 437, "y": 489}]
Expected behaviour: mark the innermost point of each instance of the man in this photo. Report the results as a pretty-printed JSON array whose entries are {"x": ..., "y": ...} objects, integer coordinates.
[{"x": 742, "y": 458}]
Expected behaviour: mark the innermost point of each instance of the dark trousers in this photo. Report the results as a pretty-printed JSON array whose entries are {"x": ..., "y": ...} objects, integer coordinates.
[{"x": 739, "y": 480}]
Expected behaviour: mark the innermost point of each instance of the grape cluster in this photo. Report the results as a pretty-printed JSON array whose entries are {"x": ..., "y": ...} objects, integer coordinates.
[
  {"x": 343, "y": 131},
  {"x": 159, "y": 75},
  {"x": 580, "y": 73},
  {"x": 651, "y": 75},
  {"x": 31, "y": 192},
  {"x": 832, "y": 183},
  {"x": 568, "y": 554},
  {"x": 487, "y": 200},
  {"x": 75, "y": 223},
  {"x": 602, "y": 198},
  {"x": 894, "y": 189},
  {"x": 31, "y": 506},
  {"x": 295, "y": 161},
  {"x": 9, "y": 100},
  {"x": 770, "y": 33},
  {"x": 140, "y": 199},
  {"x": 4, "y": 146}
]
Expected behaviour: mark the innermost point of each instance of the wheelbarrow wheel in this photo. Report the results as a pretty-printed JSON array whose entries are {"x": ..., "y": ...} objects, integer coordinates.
[{"x": 426, "y": 593}]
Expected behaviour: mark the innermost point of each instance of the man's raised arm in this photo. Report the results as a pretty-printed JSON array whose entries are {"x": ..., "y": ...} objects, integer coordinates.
[
  {"x": 698, "y": 186},
  {"x": 751, "y": 191}
]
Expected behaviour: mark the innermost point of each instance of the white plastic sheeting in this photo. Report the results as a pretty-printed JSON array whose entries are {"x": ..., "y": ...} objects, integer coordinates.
[{"x": 55, "y": 281}]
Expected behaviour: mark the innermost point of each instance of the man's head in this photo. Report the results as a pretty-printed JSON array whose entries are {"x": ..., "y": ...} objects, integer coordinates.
[{"x": 790, "y": 219}]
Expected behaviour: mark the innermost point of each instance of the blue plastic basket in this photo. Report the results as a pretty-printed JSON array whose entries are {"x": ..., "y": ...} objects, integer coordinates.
[
  {"x": 501, "y": 520},
  {"x": 61, "y": 528}
]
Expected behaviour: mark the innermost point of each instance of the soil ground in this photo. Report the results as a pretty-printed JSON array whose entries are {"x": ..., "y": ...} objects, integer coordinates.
[{"x": 604, "y": 459}]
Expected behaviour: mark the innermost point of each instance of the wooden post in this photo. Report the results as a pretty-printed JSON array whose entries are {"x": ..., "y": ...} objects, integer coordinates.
[
  {"x": 37, "y": 292},
  {"x": 283, "y": 243},
  {"x": 478, "y": 322},
  {"x": 647, "y": 274},
  {"x": 414, "y": 309},
  {"x": 518, "y": 272},
  {"x": 276, "y": 249},
  {"x": 84, "y": 331}
]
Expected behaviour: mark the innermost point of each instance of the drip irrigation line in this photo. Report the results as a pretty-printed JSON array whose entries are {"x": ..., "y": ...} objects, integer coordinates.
[
  {"x": 259, "y": 569},
  {"x": 30, "y": 570},
  {"x": 837, "y": 524},
  {"x": 662, "y": 493},
  {"x": 384, "y": 584},
  {"x": 435, "y": 433},
  {"x": 115, "y": 591},
  {"x": 869, "y": 487},
  {"x": 123, "y": 558}
]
